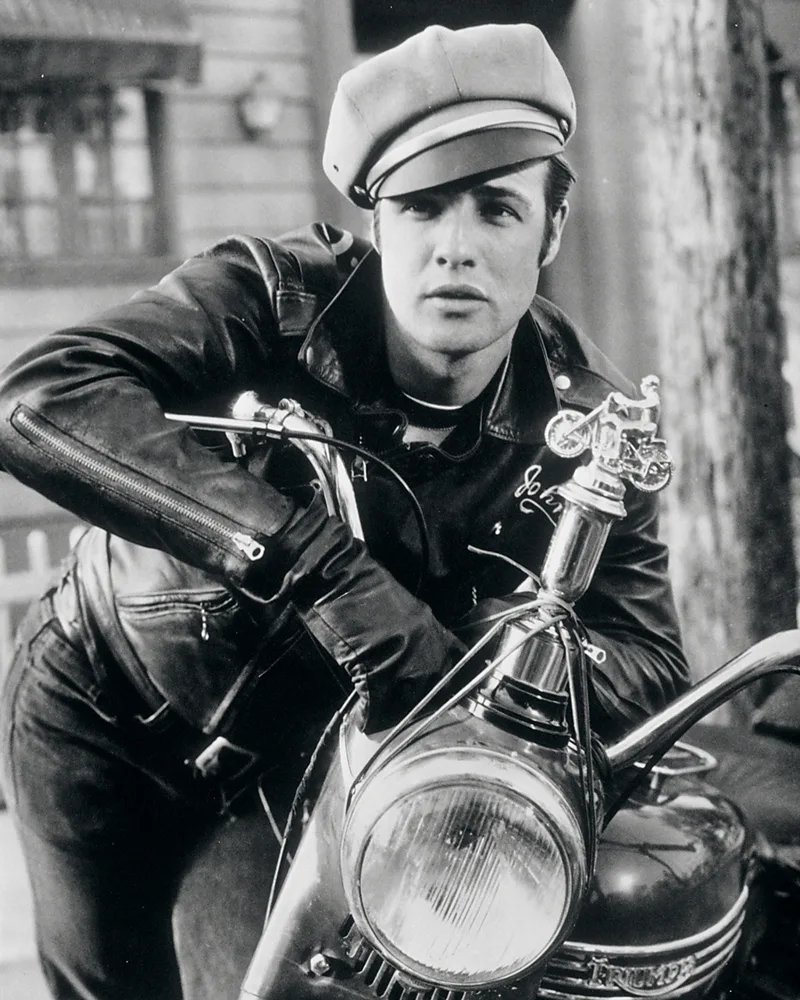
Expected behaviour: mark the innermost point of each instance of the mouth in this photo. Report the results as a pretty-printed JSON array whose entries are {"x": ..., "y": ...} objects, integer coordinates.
[{"x": 457, "y": 293}]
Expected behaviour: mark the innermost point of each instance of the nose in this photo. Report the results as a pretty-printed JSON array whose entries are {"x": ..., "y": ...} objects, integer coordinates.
[{"x": 455, "y": 237}]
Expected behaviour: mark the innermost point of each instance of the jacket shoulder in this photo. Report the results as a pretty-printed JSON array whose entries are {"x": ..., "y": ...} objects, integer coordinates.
[
  {"x": 571, "y": 353},
  {"x": 301, "y": 270},
  {"x": 318, "y": 257}
]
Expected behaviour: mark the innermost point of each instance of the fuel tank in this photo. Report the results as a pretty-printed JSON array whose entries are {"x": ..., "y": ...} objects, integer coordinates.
[{"x": 666, "y": 907}]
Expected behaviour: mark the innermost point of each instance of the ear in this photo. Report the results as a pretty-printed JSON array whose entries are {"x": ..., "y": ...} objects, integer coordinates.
[{"x": 558, "y": 223}]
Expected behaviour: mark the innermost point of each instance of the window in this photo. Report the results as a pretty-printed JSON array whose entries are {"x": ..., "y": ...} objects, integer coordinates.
[
  {"x": 378, "y": 24},
  {"x": 76, "y": 173}
]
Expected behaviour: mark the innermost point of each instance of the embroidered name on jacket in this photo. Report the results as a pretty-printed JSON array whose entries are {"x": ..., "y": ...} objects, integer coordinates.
[{"x": 533, "y": 498}]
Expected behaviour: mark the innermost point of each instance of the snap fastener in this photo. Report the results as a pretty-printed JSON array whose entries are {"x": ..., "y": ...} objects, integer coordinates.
[
  {"x": 319, "y": 965},
  {"x": 562, "y": 382}
]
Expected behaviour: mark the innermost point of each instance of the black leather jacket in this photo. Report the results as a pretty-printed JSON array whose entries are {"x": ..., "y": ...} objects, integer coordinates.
[{"x": 81, "y": 420}]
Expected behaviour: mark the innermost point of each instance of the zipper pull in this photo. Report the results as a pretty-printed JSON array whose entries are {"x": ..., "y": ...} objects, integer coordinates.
[
  {"x": 594, "y": 652},
  {"x": 246, "y": 543},
  {"x": 203, "y": 623},
  {"x": 358, "y": 468}
]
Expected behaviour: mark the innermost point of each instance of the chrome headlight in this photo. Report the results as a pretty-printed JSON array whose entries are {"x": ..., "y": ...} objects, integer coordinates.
[{"x": 462, "y": 866}]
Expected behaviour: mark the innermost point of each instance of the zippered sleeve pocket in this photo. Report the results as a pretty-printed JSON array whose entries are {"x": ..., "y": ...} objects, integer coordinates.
[{"x": 101, "y": 471}]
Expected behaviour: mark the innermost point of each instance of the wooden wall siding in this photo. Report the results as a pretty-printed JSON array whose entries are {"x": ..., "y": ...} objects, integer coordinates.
[
  {"x": 250, "y": 6},
  {"x": 224, "y": 182},
  {"x": 206, "y": 127},
  {"x": 224, "y": 74},
  {"x": 210, "y": 218},
  {"x": 29, "y": 313}
]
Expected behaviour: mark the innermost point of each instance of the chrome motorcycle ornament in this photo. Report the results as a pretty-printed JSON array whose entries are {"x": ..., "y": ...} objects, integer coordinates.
[{"x": 621, "y": 434}]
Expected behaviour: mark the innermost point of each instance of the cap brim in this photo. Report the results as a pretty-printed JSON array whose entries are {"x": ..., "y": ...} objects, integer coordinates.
[{"x": 465, "y": 156}]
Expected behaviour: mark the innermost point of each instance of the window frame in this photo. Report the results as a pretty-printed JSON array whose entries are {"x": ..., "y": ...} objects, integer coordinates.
[{"x": 67, "y": 269}]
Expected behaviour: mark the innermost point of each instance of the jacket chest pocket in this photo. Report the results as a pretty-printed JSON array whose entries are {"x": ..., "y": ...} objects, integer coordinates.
[{"x": 193, "y": 645}]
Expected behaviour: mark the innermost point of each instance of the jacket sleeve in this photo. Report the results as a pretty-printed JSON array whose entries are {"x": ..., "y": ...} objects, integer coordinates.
[
  {"x": 82, "y": 421},
  {"x": 630, "y": 614},
  {"x": 82, "y": 414}
]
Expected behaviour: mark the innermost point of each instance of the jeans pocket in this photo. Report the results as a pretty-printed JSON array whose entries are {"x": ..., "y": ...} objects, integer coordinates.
[
  {"x": 63, "y": 670},
  {"x": 8, "y": 696},
  {"x": 60, "y": 752}
]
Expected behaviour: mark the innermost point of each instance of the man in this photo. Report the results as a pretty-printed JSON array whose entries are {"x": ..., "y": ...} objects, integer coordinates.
[{"x": 189, "y": 615}]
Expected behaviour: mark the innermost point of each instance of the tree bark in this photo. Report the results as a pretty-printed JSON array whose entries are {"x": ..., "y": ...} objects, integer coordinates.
[{"x": 714, "y": 274}]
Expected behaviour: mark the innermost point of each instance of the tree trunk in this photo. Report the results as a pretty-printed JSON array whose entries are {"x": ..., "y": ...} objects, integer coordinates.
[{"x": 713, "y": 249}]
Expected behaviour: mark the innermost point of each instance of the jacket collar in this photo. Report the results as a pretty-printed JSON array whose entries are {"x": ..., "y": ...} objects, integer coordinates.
[{"x": 344, "y": 349}]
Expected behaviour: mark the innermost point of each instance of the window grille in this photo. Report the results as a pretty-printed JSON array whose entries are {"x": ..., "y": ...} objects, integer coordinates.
[{"x": 76, "y": 174}]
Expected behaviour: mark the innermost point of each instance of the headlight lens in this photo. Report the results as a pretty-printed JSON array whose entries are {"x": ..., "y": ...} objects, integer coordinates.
[{"x": 458, "y": 879}]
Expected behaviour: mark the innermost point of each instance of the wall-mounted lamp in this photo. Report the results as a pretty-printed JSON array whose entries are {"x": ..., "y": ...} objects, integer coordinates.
[{"x": 259, "y": 107}]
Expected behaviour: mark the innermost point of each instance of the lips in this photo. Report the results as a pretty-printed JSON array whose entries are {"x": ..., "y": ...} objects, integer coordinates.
[{"x": 457, "y": 292}]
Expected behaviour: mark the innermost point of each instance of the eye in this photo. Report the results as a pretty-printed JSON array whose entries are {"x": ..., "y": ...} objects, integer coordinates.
[
  {"x": 497, "y": 210},
  {"x": 420, "y": 206}
]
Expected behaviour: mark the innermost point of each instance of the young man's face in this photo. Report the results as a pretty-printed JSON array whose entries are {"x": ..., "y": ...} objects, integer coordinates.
[{"x": 461, "y": 264}]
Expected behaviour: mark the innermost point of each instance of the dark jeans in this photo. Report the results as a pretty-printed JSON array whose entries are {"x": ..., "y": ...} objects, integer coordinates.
[{"x": 108, "y": 815}]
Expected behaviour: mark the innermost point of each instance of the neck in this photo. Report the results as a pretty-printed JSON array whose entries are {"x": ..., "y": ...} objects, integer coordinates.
[{"x": 443, "y": 379}]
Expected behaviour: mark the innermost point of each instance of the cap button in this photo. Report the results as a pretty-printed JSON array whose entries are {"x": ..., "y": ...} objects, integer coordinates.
[{"x": 562, "y": 382}]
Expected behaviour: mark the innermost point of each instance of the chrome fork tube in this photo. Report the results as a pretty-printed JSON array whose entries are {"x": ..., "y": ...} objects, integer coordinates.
[
  {"x": 592, "y": 503},
  {"x": 779, "y": 653}
]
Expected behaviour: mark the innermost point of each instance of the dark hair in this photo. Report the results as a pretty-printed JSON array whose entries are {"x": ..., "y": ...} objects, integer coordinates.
[
  {"x": 557, "y": 184},
  {"x": 560, "y": 178}
]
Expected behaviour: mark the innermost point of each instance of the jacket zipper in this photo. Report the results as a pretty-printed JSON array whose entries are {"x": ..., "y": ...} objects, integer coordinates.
[
  {"x": 596, "y": 653},
  {"x": 242, "y": 542}
]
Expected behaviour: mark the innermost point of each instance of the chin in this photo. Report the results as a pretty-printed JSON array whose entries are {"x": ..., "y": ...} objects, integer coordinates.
[{"x": 456, "y": 337}]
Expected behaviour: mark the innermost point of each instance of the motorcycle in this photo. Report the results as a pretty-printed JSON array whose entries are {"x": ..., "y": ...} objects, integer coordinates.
[{"x": 489, "y": 847}]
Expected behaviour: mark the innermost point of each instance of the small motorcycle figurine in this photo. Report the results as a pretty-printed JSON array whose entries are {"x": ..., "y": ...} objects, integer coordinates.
[
  {"x": 622, "y": 430},
  {"x": 491, "y": 848}
]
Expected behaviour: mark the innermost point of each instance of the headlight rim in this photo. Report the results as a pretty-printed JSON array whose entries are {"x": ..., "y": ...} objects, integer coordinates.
[{"x": 554, "y": 814}]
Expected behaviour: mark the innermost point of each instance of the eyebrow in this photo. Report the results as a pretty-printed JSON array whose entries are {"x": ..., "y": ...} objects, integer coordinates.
[{"x": 500, "y": 191}]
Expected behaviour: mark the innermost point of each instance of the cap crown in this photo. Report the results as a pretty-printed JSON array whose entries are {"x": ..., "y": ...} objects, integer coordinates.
[{"x": 377, "y": 102}]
